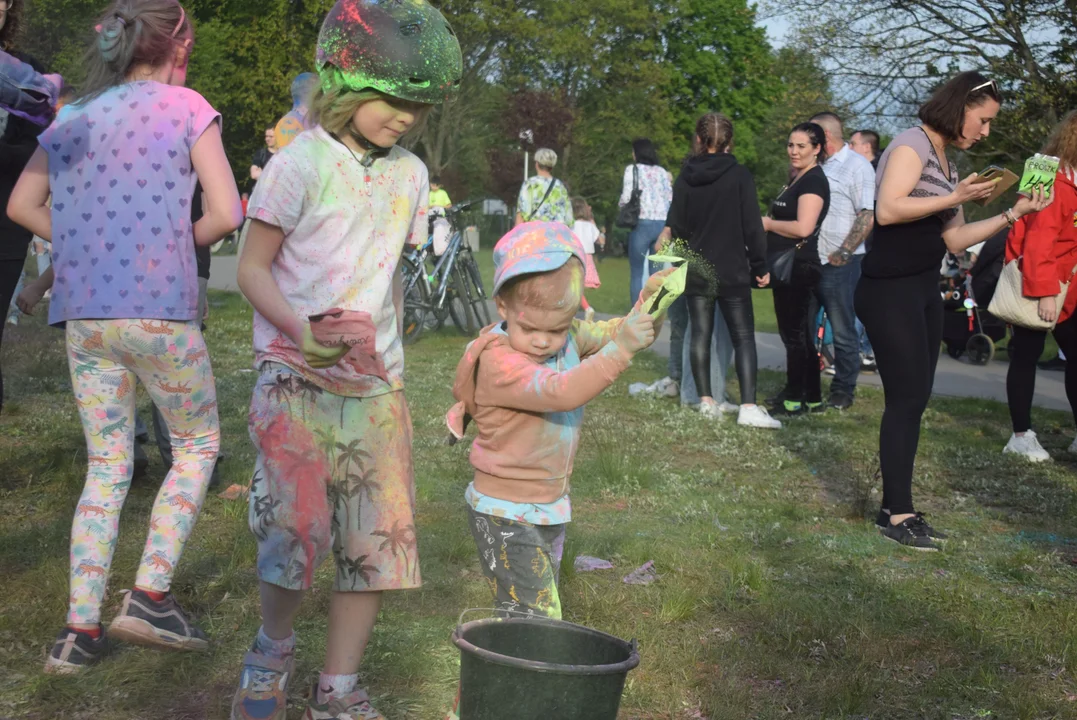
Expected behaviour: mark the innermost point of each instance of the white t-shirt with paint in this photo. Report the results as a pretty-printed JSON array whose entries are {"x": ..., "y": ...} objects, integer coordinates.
[{"x": 345, "y": 227}]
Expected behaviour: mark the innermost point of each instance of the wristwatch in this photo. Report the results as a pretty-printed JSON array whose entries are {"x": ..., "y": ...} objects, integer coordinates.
[{"x": 845, "y": 254}]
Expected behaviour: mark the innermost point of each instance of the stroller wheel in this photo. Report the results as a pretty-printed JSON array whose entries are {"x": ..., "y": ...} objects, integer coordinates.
[{"x": 980, "y": 349}]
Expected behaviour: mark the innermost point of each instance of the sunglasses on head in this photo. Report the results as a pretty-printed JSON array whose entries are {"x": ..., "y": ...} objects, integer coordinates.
[{"x": 989, "y": 84}]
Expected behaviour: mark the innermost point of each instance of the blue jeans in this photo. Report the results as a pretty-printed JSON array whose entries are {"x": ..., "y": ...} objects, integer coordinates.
[
  {"x": 835, "y": 290},
  {"x": 865, "y": 344},
  {"x": 721, "y": 356},
  {"x": 640, "y": 245}
]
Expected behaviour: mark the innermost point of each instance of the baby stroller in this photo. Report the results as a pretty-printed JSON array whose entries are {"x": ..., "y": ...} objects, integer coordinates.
[{"x": 966, "y": 329}]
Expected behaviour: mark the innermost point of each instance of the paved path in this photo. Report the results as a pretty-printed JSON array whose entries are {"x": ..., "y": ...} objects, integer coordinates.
[{"x": 956, "y": 378}]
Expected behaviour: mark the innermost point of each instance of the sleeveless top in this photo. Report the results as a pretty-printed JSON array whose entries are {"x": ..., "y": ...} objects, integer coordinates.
[{"x": 913, "y": 248}]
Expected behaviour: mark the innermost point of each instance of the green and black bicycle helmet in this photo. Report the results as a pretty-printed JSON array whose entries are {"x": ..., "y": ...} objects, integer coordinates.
[{"x": 403, "y": 48}]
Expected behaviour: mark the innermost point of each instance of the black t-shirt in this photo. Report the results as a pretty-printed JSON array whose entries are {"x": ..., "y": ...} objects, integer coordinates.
[
  {"x": 262, "y": 156},
  {"x": 201, "y": 252},
  {"x": 785, "y": 206}
]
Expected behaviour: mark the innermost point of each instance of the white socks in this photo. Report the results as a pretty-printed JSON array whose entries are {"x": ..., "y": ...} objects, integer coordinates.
[{"x": 335, "y": 686}]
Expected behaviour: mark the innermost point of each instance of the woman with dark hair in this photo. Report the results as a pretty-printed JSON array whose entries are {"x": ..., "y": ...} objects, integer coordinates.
[
  {"x": 918, "y": 217},
  {"x": 1046, "y": 245},
  {"x": 715, "y": 209},
  {"x": 653, "y": 182},
  {"x": 794, "y": 221},
  {"x": 18, "y": 141}
]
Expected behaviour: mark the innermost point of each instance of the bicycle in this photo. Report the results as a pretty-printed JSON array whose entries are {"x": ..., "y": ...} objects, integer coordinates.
[{"x": 453, "y": 289}]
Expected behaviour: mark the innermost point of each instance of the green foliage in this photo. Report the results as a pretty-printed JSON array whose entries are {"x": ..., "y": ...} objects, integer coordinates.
[{"x": 587, "y": 76}]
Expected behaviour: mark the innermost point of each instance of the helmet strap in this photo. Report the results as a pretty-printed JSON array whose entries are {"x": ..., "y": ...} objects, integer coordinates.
[{"x": 371, "y": 152}]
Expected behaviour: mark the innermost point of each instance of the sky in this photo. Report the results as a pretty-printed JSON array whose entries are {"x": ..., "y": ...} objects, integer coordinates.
[{"x": 777, "y": 29}]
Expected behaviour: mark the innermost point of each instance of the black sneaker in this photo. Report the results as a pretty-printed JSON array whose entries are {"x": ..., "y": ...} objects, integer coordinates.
[
  {"x": 74, "y": 651},
  {"x": 932, "y": 532},
  {"x": 912, "y": 533},
  {"x": 144, "y": 621},
  {"x": 867, "y": 365},
  {"x": 840, "y": 401},
  {"x": 882, "y": 521},
  {"x": 777, "y": 398},
  {"x": 789, "y": 408}
]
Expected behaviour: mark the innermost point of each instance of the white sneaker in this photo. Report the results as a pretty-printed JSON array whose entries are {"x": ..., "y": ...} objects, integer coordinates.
[
  {"x": 1073, "y": 447},
  {"x": 728, "y": 408},
  {"x": 667, "y": 387},
  {"x": 755, "y": 416},
  {"x": 710, "y": 410},
  {"x": 1028, "y": 446}
]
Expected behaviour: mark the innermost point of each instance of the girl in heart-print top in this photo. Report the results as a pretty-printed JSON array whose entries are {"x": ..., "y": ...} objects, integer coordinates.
[{"x": 121, "y": 163}]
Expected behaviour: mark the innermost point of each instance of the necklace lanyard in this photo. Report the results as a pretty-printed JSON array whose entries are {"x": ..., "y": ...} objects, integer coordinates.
[{"x": 365, "y": 162}]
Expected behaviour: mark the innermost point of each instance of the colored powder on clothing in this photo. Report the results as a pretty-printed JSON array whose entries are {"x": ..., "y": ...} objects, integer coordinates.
[{"x": 292, "y": 447}]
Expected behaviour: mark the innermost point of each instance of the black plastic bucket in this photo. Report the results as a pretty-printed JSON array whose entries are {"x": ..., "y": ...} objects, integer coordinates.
[{"x": 537, "y": 669}]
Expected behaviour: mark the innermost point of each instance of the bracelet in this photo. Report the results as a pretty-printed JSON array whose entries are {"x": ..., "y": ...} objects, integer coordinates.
[{"x": 1011, "y": 219}]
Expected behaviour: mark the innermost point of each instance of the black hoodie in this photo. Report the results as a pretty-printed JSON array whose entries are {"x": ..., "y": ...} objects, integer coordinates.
[{"x": 715, "y": 209}]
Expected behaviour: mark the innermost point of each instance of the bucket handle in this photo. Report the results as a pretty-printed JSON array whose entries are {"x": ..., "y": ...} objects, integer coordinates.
[{"x": 460, "y": 620}]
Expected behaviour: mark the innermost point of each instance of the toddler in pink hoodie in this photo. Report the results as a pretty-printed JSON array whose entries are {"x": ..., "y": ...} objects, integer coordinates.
[{"x": 524, "y": 383}]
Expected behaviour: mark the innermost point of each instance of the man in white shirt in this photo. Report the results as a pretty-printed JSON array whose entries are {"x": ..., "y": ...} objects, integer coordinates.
[{"x": 841, "y": 238}]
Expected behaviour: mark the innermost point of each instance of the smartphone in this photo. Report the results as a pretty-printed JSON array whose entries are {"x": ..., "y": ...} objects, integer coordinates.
[{"x": 990, "y": 174}]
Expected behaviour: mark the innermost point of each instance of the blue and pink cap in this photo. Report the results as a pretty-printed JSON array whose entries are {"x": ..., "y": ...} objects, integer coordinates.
[{"x": 533, "y": 247}]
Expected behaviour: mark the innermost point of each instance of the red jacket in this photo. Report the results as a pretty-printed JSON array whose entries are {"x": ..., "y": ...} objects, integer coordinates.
[{"x": 1048, "y": 242}]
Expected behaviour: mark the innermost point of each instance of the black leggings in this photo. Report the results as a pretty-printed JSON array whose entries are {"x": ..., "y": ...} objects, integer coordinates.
[
  {"x": 795, "y": 308},
  {"x": 10, "y": 270},
  {"x": 740, "y": 318},
  {"x": 903, "y": 318},
  {"x": 1026, "y": 346}
]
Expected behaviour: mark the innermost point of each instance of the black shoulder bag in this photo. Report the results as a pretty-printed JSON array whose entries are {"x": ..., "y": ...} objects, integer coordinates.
[
  {"x": 628, "y": 215},
  {"x": 780, "y": 262}
]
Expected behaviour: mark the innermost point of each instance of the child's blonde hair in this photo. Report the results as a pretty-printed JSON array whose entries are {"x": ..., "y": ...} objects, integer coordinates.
[
  {"x": 558, "y": 289},
  {"x": 334, "y": 104},
  {"x": 581, "y": 210}
]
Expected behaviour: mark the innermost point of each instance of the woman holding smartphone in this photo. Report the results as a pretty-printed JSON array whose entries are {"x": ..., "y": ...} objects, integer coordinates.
[{"x": 918, "y": 218}]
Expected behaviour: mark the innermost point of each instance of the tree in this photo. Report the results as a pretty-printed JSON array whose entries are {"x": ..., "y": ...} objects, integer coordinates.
[
  {"x": 891, "y": 53},
  {"x": 803, "y": 89},
  {"x": 719, "y": 60}
]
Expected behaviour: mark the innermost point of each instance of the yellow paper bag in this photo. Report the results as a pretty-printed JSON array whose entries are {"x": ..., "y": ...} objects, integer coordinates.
[{"x": 673, "y": 286}]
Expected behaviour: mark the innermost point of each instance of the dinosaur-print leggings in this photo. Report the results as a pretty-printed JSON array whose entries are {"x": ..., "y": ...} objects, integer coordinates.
[{"x": 105, "y": 357}]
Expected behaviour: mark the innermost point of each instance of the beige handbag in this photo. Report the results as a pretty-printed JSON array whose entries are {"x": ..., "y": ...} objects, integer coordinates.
[{"x": 1010, "y": 304}]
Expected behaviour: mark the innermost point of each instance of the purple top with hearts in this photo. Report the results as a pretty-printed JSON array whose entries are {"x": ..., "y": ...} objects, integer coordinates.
[{"x": 122, "y": 183}]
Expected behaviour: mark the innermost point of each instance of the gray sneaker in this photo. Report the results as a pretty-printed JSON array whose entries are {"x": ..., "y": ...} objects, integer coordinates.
[
  {"x": 144, "y": 621},
  {"x": 73, "y": 651}
]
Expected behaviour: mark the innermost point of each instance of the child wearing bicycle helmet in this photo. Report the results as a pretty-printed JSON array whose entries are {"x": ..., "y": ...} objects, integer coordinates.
[{"x": 329, "y": 221}]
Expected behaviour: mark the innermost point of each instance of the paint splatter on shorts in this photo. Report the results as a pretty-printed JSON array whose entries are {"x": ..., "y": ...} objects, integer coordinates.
[
  {"x": 333, "y": 473},
  {"x": 521, "y": 562}
]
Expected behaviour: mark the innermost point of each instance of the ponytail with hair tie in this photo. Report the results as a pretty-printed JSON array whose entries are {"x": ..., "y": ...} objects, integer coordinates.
[{"x": 110, "y": 37}]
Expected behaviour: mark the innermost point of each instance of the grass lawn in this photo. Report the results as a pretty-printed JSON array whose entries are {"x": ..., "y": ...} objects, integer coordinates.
[{"x": 777, "y": 598}]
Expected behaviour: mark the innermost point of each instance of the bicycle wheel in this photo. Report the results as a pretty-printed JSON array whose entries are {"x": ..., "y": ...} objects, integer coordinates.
[
  {"x": 460, "y": 308},
  {"x": 479, "y": 301},
  {"x": 416, "y": 302}
]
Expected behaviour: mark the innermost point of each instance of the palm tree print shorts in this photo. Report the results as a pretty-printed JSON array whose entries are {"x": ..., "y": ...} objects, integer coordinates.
[
  {"x": 333, "y": 473},
  {"x": 521, "y": 562}
]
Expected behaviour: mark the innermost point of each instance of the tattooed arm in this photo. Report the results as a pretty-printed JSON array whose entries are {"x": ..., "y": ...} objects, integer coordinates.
[{"x": 865, "y": 220}]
